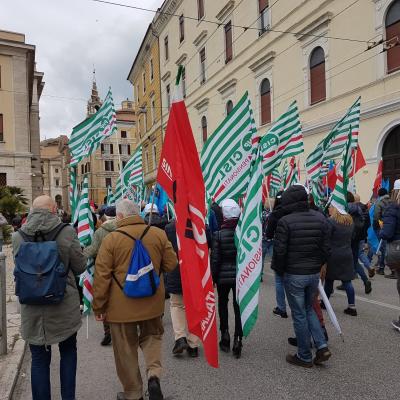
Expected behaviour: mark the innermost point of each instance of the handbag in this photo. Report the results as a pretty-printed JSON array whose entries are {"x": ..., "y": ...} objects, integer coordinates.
[{"x": 392, "y": 258}]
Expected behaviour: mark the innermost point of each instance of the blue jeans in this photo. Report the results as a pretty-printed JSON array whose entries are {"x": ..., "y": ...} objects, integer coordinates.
[
  {"x": 357, "y": 266},
  {"x": 280, "y": 293},
  {"x": 362, "y": 256},
  {"x": 348, "y": 287},
  {"x": 267, "y": 246},
  {"x": 40, "y": 370},
  {"x": 300, "y": 292}
]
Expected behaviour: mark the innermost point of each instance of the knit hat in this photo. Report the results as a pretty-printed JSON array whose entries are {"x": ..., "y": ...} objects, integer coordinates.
[
  {"x": 148, "y": 208},
  {"x": 230, "y": 209},
  {"x": 110, "y": 211}
]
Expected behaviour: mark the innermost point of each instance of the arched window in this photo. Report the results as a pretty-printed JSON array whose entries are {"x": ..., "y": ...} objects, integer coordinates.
[
  {"x": 391, "y": 155},
  {"x": 317, "y": 75},
  {"x": 204, "y": 128},
  {"x": 229, "y": 107},
  {"x": 265, "y": 103},
  {"x": 393, "y": 37}
]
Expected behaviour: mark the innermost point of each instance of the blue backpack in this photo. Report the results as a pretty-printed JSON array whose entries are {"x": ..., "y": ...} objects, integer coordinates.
[
  {"x": 40, "y": 276},
  {"x": 141, "y": 279}
]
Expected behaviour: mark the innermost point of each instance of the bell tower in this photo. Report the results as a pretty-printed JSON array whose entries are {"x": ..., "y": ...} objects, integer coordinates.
[{"x": 94, "y": 102}]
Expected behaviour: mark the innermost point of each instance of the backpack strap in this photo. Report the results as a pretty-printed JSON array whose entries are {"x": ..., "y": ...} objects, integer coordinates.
[{"x": 52, "y": 235}]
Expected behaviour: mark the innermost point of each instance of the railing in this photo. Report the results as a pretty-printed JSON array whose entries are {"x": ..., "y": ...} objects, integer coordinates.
[{"x": 3, "y": 311}]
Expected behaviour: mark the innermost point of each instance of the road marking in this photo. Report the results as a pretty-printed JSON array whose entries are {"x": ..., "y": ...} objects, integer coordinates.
[{"x": 365, "y": 300}]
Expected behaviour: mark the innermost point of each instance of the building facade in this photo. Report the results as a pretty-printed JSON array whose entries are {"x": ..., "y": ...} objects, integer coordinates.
[
  {"x": 324, "y": 54},
  {"x": 145, "y": 78},
  {"x": 103, "y": 166},
  {"x": 20, "y": 90}
]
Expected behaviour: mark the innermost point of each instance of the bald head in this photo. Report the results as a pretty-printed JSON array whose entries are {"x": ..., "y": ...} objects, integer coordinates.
[{"x": 45, "y": 202}]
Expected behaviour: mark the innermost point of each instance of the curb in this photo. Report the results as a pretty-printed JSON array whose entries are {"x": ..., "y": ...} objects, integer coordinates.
[{"x": 13, "y": 362}]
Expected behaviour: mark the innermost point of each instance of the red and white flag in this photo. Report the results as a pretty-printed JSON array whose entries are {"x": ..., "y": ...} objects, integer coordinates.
[
  {"x": 378, "y": 179},
  {"x": 179, "y": 173}
]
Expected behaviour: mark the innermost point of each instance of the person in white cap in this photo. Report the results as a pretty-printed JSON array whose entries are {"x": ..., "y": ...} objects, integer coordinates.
[
  {"x": 391, "y": 233},
  {"x": 223, "y": 267},
  {"x": 155, "y": 219}
]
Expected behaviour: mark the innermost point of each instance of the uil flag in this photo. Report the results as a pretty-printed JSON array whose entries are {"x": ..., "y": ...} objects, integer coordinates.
[
  {"x": 378, "y": 179},
  {"x": 179, "y": 173}
]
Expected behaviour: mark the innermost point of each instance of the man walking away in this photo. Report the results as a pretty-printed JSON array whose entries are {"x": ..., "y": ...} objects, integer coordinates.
[
  {"x": 108, "y": 224},
  {"x": 380, "y": 207},
  {"x": 301, "y": 247},
  {"x": 184, "y": 340},
  {"x": 45, "y": 325},
  {"x": 134, "y": 322}
]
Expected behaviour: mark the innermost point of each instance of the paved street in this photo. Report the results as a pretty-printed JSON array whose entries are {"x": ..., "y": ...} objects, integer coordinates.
[{"x": 365, "y": 366}]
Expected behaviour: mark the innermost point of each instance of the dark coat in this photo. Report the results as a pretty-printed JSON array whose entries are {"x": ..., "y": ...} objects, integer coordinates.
[
  {"x": 358, "y": 224},
  {"x": 391, "y": 223},
  {"x": 173, "y": 278},
  {"x": 156, "y": 220},
  {"x": 223, "y": 254},
  {"x": 273, "y": 219},
  {"x": 367, "y": 220},
  {"x": 340, "y": 263},
  {"x": 301, "y": 243},
  {"x": 218, "y": 214}
]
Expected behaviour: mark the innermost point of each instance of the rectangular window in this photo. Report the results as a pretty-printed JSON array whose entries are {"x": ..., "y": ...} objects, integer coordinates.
[
  {"x": 151, "y": 70},
  {"x": 264, "y": 15},
  {"x": 3, "y": 179},
  {"x": 137, "y": 93},
  {"x": 82, "y": 169},
  {"x": 168, "y": 96},
  {"x": 202, "y": 65},
  {"x": 153, "y": 111},
  {"x": 109, "y": 165},
  {"x": 57, "y": 182},
  {"x": 154, "y": 151},
  {"x": 200, "y": 9},
  {"x": 1, "y": 128},
  {"x": 166, "y": 50},
  {"x": 123, "y": 135},
  {"x": 108, "y": 182},
  {"x": 144, "y": 82},
  {"x": 181, "y": 28},
  {"x": 228, "y": 42},
  {"x": 123, "y": 149},
  {"x": 56, "y": 170},
  {"x": 107, "y": 148},
  {"x": 147, "y": 161},
  {"x": 88, "y": 166}
]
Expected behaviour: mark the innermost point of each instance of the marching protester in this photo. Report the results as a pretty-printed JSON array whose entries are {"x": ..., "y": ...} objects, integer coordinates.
[
  {"x": 273, "y": 219},
  {"x": 155, "y": 219},
  {"x": 108, "y": 224},
  {"x": 340, "y": 262},
  {"x": 380, "y": 207},
  {"x": 391, "y": 233},
  {"x": 223, "y": 266},
  {"x": 301, "y": 248},
  {"x": 43, "y": 323},
  {"x": 134, "y": 322},
  {"x": 184, "y": 340}
]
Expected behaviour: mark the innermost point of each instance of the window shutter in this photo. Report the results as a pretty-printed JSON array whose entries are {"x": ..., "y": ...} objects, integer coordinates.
[
  {"x": 112, "y": 165},
  {"x": 120, "y": 149},
  {"x": 111, "y": 148},
  {"x": 129, "y": 149},
  {"x": 262, "y": 5},
  {"x": 1, "y": 128},
  {"x": 317, "y": 83},
  {"x": 393, "y": 54},
  {"x": 102, "y": 147},
  {"x": 265, "y": 108},
  {"x": 228, "y": 42}
]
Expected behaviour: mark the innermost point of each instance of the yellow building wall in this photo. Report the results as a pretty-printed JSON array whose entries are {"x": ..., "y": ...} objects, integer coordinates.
[{"x": 7, "y": 103}]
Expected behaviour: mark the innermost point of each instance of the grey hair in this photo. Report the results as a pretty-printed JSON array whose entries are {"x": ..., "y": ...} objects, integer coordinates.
[{"x": 127, "y": 208}]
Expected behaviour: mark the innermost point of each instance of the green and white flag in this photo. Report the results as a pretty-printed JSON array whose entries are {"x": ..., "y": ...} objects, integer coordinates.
[
  {"x": 73, "y": 195},
  {"x": 339, "y": 194},
  {"x": 226, "y": 156},
  {"x": 248, "y": 237},
  {"x": 130, "y": 177},
  {"x": 110, "y": 197},
  {"x": 85, "y": 219},
  {"x": 283, "y": 140},
  {"x": 87, "y": 136}
]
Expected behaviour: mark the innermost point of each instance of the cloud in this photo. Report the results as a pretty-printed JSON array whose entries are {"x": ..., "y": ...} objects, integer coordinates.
[{"x": 70, "y": 37}]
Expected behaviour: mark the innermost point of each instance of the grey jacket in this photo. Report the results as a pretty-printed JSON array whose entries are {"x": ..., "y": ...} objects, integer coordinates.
[
  {"x": 3, "y": 222},
  {"x": 51, "y": 324},
  {"x": 99, "y": 235},
  {"x": 380, "y": 208}
]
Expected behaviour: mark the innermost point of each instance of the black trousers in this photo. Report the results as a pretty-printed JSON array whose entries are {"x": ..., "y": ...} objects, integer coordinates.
[{"x": 223, "y": 300}]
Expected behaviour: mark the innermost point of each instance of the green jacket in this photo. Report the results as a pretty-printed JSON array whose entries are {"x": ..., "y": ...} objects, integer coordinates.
[
  {"x": 51, "y": 324},
  {"x": 99, "y": 235}
]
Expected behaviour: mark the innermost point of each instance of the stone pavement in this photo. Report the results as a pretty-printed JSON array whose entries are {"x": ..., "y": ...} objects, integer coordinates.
[
  {"x": 9, "y": 364},
  {"x": 364, "y": 367}
]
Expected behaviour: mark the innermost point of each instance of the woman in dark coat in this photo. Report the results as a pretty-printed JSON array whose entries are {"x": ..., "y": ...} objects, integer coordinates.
[
  {"x": 223, "y": 267},
  {"x": 340, "y": 263}
]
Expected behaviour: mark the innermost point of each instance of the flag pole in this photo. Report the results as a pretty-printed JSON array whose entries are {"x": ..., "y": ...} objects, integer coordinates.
[{"x": 152, "y": 203}]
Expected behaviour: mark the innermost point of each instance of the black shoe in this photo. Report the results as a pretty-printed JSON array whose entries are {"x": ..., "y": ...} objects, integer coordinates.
[
  {"x": 371, "y": 272},
  {"x": 325, "y": 333},
  {"x": 368, "y": 287},
  {"x": 292, "y": 341},
  {"x": 381, "y": 271},
  {"x": 225, "y": 342},
  {"x": 340, "y": 287},
  {"x": 237, "y": 347},
  {"x": 279, "y": 312},
  {"x": 193, "y": 352},
  {"x": 106, "y": 340},
  {"x": 322, "y": 355},
  {"x": 351, "y": 311},
  {"x": 392, "y": 275},
  {"x": 180, "y": 346},
  {"x": 154, "y": 389},
  {"x": 293, "y": 359}
]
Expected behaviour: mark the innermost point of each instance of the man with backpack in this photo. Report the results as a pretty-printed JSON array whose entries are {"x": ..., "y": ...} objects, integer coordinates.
[
  {"x": 129, "y": 295},
  {"x": 48, "y": 256}
]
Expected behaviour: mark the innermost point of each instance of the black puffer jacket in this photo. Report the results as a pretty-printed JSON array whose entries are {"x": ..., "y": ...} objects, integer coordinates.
[
  {"x": 273, "y": 219},
  {"x": 301, "y": 243},
  {"x": 391, "y": 223},
  {"x": 223, "y": 254},
  {"x": 156, "y": 220},
  {"x": 173, "y": 279}
]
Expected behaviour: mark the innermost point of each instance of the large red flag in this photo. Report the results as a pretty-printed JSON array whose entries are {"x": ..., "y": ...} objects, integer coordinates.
[
  {"x": 179, "y": 173},
  {"x": 378, "y": 179},
  {"x": 358, "y": 161}
]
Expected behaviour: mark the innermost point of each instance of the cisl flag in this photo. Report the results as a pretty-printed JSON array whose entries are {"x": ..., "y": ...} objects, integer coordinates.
[{"x": 179, "y": 173}]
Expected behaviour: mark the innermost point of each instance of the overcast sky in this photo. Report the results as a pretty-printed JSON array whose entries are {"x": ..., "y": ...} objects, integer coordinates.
[{"x": 70, "y": 36}]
